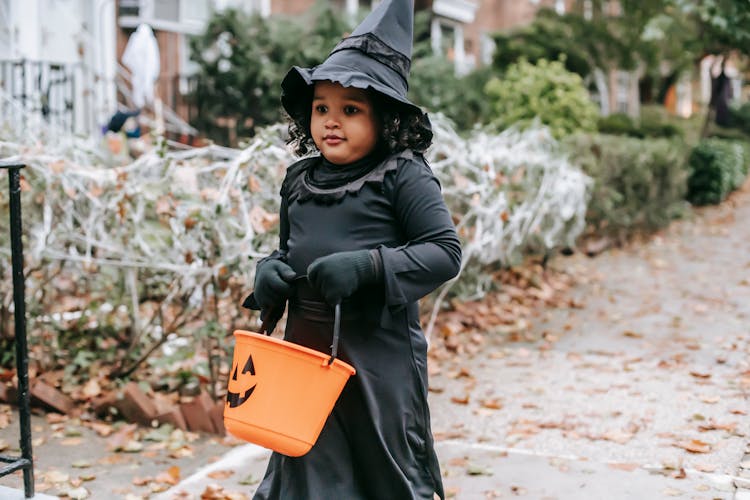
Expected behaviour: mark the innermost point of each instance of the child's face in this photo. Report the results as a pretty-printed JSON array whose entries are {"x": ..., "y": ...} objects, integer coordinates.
[{"x": 343, "y": 124}]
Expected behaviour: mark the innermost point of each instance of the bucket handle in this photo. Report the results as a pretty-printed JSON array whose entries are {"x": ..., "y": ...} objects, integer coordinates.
[
  {"x": 336, "y": 331},
  {"x": 265, "y": 328}
]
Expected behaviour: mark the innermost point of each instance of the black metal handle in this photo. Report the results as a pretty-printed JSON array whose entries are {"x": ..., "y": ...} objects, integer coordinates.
[{"x": 336, "y": 331}]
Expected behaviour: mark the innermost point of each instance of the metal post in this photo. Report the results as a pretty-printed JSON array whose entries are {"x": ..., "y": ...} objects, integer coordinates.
[{"x": 26, "y": 462}]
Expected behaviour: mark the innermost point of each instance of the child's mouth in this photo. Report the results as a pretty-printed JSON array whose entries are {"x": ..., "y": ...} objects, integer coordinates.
[{"x": 333, "y": 140}]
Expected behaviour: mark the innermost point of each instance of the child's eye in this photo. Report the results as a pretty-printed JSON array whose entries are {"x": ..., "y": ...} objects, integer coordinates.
[
  {"x": 321, "y": 108},
  {"x": 350, "y": 110}
]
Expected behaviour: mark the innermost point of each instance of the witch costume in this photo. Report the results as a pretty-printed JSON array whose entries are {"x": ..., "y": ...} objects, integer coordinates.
[{"x": 377, "y": 442}]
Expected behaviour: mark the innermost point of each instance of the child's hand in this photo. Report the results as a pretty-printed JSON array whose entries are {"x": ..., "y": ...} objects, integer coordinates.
[
  {"x": 273, "y": 283},
  {"x": 339, "y": 275}
]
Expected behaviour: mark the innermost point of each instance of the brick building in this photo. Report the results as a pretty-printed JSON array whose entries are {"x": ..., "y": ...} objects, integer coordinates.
[{"x": 460, "y": 29}]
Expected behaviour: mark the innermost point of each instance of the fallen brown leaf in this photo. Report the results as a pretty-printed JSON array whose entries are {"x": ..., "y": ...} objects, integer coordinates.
[
  {"x": 492, "y": 404},
  {"x": 715, "y": 426},
  {"x": 141, "y": 481},
  {"x": 632, "y": 334},
  {"x": 100, "y": 428},
  {"x": 92, "y": 389},
  {"x": 705, "y": 467},
  {"x": 220, "y": 474},
  {"x": 619, "y": 437},
  {"x": 624, "y": 466},
  {"x": 695, "y": 446},
  {"x": 216, "y": 492},
  {"x": 460, "y": 400},
  {"x": 679, "y": 474}
]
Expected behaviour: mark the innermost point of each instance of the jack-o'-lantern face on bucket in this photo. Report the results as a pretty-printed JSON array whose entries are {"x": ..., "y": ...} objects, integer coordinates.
[{"x": 241, "y": 385}]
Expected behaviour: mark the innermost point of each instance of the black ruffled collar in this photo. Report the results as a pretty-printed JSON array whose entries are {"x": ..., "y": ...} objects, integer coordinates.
[{"x": 326, "y": 183}]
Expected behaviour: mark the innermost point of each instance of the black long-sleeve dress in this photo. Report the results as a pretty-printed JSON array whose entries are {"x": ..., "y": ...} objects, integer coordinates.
[{"x": 377, "y": 443}]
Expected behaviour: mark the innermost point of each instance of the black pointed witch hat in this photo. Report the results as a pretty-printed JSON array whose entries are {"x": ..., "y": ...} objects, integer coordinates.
[{"x": 376, "y": 55}]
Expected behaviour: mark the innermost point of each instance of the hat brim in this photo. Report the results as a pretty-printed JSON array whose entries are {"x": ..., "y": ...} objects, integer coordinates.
[{"x": 297, "y": 84}]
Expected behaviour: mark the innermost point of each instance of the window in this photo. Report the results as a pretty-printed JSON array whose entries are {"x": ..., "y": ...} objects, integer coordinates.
[
  {"x": 487, "y": 49},
  {"x": 262, "y": 7},
  {"x": 588, "y": 10},
  {"x": 622, "y": 96},
  {"x": 448, "y": 40},
  {"x": 179, "y": 16},
  {"x": 130, "y": 8},
  {"x": 167, "y": 10}
]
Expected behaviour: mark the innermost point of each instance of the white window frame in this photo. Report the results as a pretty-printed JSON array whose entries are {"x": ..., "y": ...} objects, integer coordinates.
[
  {"x": 588, "y": 10},
  {"x": 146, "y": 15},
  {"x": 487, "y": 48},
  {"x": 436, "y": 37},
  {"x": 622, "y": 91}
]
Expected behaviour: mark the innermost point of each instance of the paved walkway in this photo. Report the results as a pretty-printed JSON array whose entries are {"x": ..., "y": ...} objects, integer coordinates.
[
  {"x": 641, "y": 392},
  {"x": 644, "y": 395}
]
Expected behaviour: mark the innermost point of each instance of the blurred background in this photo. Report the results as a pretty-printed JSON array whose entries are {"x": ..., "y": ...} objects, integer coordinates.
[
  {"x": 154, "y": 150},
  {"x": 211, "y": 68}
]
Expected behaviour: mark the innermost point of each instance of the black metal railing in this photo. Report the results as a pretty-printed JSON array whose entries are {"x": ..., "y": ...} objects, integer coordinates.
[
  {"x": 26, "y": 461},
  {"x": 43, "y": 87}
]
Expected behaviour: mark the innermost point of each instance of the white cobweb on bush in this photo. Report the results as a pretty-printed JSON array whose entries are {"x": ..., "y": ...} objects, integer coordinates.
[{"x": 180, "y": 220}]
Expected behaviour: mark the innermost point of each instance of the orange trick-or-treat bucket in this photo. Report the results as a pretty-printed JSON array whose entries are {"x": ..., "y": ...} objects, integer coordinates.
[{"x": 279, "y": 393}]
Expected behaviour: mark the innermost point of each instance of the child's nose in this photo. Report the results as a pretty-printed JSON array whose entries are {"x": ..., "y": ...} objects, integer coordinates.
[{"x": 332, "y": 122}]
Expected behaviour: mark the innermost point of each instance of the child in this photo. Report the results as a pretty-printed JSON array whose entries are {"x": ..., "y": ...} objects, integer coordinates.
[{"x": 365, "y": 222}]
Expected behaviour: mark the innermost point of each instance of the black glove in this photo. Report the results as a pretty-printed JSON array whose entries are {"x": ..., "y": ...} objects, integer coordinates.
[
  {"x": 339, "y": 275},
  {"x": 273, "y": 283}
]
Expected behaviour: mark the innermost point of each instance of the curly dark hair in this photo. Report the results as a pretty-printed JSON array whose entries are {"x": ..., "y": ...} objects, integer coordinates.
[{"x": 401, "y": 126}]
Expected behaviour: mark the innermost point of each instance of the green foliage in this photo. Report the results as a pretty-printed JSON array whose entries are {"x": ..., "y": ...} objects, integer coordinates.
[
  {"x": 717, "y": 167},
  {"x": 639, "y": 184},
  {"x": 584, "y": 45},
  {"x": 724, "y": 24},
  {"x": 656, "y": 121},
  {"x": 242, "y": 60},
  {"x": 741, "y": 117},
  {"x": 546, "y": 91},
  {"x": 654, "y": 36},
  {"x": 653, "y": 124},
  {"x": 435, "y": 86},
  {"x": 618, "y": 124}
]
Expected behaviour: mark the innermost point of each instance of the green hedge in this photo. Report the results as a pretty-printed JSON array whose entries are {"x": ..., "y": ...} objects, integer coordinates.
[
  {"x": 717, "y": 167},
  {"x": 741, "y": 117},
  {"x": 650, "y": 126},
  {"x": 618, "y": 124},
  {"x": 639, "y": 184}
]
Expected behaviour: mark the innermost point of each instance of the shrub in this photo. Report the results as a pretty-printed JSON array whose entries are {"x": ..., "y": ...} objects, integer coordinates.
[
  {"x": 741, "y": 117},
  {"x": 435, "y": 86},
  {"x": 547, "y": 91},
  {"x": 658, "y": 128},
  {"x": 639, "y": 184},
  {"x": 717, "y": 167},
  {"x": 618, "y": 124}
]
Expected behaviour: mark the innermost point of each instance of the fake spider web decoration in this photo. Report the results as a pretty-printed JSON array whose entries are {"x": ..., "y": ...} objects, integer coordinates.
[{"x": 183, "y": 222}]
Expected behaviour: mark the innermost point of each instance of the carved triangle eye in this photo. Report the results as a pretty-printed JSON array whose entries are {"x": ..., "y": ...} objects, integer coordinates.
[
  {"x": 249, "y": 367},
  {"x": 239, "y": 391}
]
